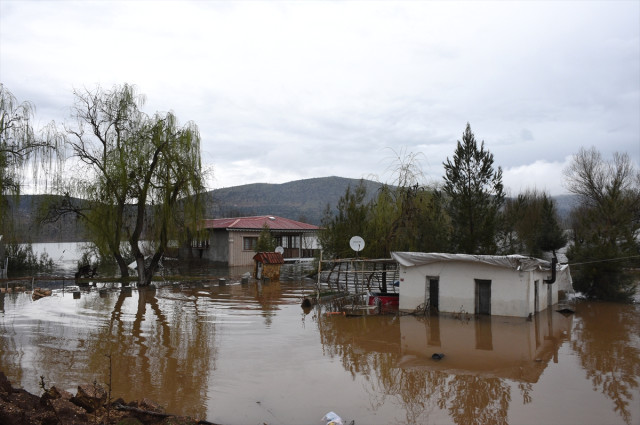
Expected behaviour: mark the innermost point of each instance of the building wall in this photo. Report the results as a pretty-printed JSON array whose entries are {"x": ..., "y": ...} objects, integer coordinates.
[
  {"x": 228, "y": 247},
  {"x": 237, "y": 255},
  {"x": 512, "y": 291},
  {"x": 218, "y": 249}
]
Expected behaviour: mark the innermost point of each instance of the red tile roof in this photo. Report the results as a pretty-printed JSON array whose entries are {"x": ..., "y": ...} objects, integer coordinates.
[
  {"x": 256, "y": 223},
  {"x": 269, "y": 257}
]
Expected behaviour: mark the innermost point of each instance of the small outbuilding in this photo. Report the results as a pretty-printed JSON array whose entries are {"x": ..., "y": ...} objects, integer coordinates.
[
  {"x": 268, "y": 265},
  {"x": 508, "y": 285}
]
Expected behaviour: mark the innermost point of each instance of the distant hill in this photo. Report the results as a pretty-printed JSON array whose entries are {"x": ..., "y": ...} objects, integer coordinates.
[
  {"x": 27, "y": 228},
  {"x": 564, "y": 205},
  {"x": 303, "y": 200}
]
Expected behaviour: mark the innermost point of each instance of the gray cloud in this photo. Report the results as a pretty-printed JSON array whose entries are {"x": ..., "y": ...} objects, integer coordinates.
[{"x": 282, "y": 91}]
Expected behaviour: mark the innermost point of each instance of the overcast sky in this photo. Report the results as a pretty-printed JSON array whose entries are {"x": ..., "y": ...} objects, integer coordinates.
[{"x": 284, "y": 91}]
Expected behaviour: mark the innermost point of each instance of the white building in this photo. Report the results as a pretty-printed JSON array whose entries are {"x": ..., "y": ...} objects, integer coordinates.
[{"x": 511, "y": 285}]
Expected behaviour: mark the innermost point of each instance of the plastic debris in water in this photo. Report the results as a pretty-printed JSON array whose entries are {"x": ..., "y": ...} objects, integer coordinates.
[{"x": 332, "y": 419}]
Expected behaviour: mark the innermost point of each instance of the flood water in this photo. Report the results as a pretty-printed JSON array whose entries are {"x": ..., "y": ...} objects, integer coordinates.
[{"x": 249, "y": 354}]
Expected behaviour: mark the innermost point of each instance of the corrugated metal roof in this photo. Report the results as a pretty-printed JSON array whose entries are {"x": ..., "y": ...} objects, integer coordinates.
[
  {"x": 269, "y": 257},
  {"x": 256, "y": 223}
]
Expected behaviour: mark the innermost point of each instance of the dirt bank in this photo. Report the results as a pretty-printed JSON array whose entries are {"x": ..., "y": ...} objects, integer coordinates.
[{"x": 90, "y": 405}]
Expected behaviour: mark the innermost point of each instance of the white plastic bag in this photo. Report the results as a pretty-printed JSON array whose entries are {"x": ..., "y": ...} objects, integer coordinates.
[{"x": 332, "y": 419}]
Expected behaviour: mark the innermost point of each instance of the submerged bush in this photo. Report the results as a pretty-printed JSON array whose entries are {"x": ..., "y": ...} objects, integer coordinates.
[{"x": 22, "y": 257}]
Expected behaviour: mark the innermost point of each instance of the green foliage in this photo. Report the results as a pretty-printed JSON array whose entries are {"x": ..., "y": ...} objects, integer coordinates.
[
  {"x": 22, "y": 257},
  {"x": 349, "y": 221},
  {"x": 266, "y": 242},
  {"x": 474, "y": 196},
  {"x": 92, "y": 256},
  {"x": 138, "y": 176},
  {"x": 551, "y": 236},
  {"x": 530, "y": 225},
  {"x": 20, "y": 145},
  {"x": 606, "y": 224},
  {"x": 405, "y": 219},
  {"x": 404, "y": 216}
]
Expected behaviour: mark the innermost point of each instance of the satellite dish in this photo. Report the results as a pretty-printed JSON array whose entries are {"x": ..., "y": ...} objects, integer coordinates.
[
  {"x": 356, "y": 243},
  {"x": 280, "y": 250}
]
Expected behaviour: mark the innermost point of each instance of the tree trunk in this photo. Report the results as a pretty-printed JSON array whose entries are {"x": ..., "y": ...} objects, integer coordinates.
[
  {"x": 145, "y": 277},
  {"x": 124, "y": 270},
  {"x": 141, "y": 270}
]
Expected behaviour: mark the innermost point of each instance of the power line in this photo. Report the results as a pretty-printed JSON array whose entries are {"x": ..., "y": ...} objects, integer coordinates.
[{"x": 602, "y": 261}]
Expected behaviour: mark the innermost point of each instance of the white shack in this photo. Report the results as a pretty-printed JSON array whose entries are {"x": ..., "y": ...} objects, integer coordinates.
[{"x": 502, "y": 285}]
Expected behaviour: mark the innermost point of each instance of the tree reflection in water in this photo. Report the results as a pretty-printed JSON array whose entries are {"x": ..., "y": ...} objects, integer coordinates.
[
  {"x": 606, "y": 339},
  {"x": 473, "y": 384},
  {"x": 160, "y": 348}
]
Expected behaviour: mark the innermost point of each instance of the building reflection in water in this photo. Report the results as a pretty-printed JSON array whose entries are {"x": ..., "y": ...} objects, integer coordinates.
[
  {"x": 472, "y": 384},
  {"x": 502, "y": 347}
]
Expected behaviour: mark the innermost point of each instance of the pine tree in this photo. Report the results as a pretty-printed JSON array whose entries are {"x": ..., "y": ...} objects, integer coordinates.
[{"x": 475, "y": 193}]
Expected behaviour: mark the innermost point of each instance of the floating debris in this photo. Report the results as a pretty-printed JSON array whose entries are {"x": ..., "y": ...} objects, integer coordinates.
[{"x": 41, "y": 293}]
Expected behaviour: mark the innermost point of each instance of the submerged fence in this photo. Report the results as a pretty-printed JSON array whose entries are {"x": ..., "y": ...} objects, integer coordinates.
[{"x": 358, "y": 276}]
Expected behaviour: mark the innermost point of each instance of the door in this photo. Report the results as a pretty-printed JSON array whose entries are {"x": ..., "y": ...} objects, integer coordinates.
[
  {"x": 483, "y": 296},
  {"x": 536, "y": 296},
  {"x": 434, "y": 293}
]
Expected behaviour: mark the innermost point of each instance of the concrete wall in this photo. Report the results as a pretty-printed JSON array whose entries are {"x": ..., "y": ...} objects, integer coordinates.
[{"x": 512, "y": 291}]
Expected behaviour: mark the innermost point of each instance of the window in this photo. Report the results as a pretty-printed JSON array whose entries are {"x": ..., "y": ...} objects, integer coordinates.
[{"x": 249, "y": 243}]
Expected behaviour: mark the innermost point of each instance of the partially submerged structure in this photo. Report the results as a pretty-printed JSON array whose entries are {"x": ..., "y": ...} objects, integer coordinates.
[
  {"x": 233, "y": 240},
  {"x": 508, "y": 285},
  {"x": 267, "y": 265}
]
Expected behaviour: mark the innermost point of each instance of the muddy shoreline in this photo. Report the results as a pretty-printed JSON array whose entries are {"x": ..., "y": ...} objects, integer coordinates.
[{"x": 91, "y": 404}]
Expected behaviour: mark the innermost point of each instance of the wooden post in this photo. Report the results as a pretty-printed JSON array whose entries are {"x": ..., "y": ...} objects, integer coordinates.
[{"x": 319, "y": 271}]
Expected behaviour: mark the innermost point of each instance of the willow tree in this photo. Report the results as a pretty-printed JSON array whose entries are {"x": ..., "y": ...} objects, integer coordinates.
[
  {"x": 404, "y": 216},
  {"x": 20, "y": 145},
  {"x": 139, "y": 177},
  {"x": 474, "y": 196}
]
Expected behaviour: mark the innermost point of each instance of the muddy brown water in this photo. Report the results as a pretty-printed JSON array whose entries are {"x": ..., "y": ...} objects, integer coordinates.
[{"x": 249, "y": 354}]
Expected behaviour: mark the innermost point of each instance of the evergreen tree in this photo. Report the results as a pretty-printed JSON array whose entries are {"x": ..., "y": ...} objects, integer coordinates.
[
  {"x": 266, "y": 242},
  {"x": 475, "y": 194},
  {"x": 551, "y": 236}
]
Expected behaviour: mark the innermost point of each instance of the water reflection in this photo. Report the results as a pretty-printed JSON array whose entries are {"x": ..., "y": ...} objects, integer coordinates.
[
  {"x": 246, "y": 353},
  {"x": 606, "y": 338},
  {"x": 472, "y": 383},
  {"x": 158, "y": 349}
]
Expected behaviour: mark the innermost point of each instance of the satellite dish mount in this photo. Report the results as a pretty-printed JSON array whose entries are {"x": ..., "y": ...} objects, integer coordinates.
[{"x": 357, "y": 244}]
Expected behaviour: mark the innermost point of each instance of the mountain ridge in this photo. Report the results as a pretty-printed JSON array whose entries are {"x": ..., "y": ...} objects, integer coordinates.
[{"x": 303, "y": 200}]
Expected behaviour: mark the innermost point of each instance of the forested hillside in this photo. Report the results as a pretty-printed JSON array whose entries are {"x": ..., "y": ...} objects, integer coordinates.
[{"x": 303, "y": 200}]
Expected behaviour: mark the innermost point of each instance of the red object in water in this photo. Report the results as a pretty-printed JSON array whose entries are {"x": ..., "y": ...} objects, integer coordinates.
[{"x": 384, "y": 299}]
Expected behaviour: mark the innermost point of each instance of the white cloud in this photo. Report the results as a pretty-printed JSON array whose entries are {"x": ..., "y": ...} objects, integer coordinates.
[{"x": 541, "y": 175}]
